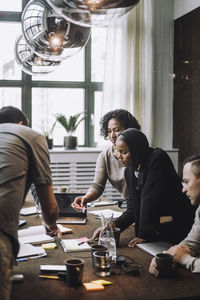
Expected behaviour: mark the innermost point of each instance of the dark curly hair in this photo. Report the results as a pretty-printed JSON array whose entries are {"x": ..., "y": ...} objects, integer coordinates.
[{"x": 126, "y": 119}]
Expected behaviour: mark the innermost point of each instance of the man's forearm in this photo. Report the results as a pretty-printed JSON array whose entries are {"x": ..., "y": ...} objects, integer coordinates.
[{"x": 48, "y": 204}]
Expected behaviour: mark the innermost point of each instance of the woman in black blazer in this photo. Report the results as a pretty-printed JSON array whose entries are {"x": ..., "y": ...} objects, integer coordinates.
[{"x": 154, "y": 190}]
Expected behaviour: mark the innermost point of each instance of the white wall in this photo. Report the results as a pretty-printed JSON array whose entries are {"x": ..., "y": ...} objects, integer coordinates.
[
  {"x": 182, "y": 7},
  {"x": 163, "y": 70}
]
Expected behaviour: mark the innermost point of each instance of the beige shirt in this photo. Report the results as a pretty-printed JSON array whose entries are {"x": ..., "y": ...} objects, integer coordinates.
[
  {"x": 108, "y": 167},
  {"x": 192, "y": 263}
]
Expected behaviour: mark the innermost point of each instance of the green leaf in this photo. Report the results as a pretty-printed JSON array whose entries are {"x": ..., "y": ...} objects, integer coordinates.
[{"x": 70, "y": 124}]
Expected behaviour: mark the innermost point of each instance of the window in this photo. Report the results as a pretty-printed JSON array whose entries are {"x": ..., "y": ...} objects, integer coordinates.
[
  {"x": 10, "y": 96},
  {"x": 75, "y": 86},
  {"x": 9, "y": 69},
  {"x": 47, "y": 102},
  {"x": 10, "y": 5}
]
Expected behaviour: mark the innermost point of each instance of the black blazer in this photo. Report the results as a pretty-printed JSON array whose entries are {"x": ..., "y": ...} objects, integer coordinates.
[{"x": 156, "y": 192}]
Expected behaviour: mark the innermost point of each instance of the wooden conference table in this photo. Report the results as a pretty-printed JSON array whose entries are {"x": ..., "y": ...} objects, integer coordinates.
[{"x": 183, "y": 285}]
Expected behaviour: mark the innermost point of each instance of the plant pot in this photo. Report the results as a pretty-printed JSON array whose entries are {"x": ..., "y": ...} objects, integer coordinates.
[
  {"x": 70, "y": 142},
  {"x": 50, "y": 143}
]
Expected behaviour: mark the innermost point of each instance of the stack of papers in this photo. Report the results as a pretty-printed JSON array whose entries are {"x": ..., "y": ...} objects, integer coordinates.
[
  {"x": 107, "y": 213},
  {"x": 37, "y": 234}
]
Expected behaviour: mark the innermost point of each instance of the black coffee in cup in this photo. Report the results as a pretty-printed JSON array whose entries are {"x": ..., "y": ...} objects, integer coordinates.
[
  {"x": 74, "y": 271},
  {"x": 164, "y": 264}
]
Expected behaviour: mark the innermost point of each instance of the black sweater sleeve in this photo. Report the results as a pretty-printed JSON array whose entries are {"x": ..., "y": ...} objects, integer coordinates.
[{"x": 128, "y": 217}]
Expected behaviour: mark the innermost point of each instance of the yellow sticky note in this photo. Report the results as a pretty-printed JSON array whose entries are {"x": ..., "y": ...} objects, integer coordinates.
[
  {"x": 49, "y": 246},
  {"x": 93, "y": 286},
  {"x": 101, "y": 281}
]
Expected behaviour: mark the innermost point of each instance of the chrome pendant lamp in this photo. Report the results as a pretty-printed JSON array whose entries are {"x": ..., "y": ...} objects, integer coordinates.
[
  {"x": 49, "y": 35},
  {"x": 30, "y": 62},
  {"x": 92, "y": 12}
]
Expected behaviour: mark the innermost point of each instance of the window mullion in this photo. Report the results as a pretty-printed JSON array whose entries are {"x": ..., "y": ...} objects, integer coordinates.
[{"x": 27, "y": 96}]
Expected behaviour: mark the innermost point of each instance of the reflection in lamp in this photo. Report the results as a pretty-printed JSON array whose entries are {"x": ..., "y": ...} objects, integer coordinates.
[
  {"x": 30, "y": 62},
  {"x": 92, "y": 12},
  {"x": 50, "y": 35}
]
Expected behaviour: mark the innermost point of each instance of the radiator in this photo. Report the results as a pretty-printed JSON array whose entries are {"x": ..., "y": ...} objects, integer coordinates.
[{"x": 75, "y": 170}]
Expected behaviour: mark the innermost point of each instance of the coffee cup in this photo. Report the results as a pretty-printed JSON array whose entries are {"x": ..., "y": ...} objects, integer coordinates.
[
  {"x": 62, "y": 189},
  {"x": 102, "y": 262},
  {"x": 164, "y": 264},
  {"x": 96, "y": 247},
  {"x": 74, "y": 271}
]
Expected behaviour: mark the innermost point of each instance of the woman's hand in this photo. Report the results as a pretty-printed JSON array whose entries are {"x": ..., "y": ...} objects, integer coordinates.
[
  {"x": 135, "y": 241},
  {"x": 80, "y": 202},
  {"x": 98, "y": 230},
  {"x": 96, "y": 234}
]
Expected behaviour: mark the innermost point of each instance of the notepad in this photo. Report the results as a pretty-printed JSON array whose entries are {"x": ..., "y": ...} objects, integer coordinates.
[
  {"x": 37, "y": 234},
  {"x": 93, "y": 286},
  {"x": 27, "y": 250},
  {"x": 72, "y": 245}
]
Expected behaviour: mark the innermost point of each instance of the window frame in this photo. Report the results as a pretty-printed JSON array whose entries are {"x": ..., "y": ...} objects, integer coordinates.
[{"x": 26, "y": 83}]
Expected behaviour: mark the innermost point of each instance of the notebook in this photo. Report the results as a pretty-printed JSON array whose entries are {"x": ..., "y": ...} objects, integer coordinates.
[
  {"x": 67, "y": 214},
  {"x": 73, "y": 245},
  {"x": 26, "y": 250},
  {"x": 154, "y": 248},
  {"x": 37, "y": 234}
]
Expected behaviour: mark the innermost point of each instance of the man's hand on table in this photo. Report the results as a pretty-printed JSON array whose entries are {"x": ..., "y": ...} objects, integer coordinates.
[{"x": 53, "y": 230}]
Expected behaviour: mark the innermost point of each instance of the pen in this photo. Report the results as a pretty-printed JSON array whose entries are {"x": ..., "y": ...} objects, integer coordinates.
[
  {"x": 81, "y": 243},
  {"x": 86, "y": 241},
  {"x": 49, "y": 277},
  {"x": 22, "y": 259},
  {"x": 83, "y": 209}
]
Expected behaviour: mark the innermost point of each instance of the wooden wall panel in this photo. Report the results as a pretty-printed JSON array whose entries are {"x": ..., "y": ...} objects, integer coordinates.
[{"x": 186, "y": 117}]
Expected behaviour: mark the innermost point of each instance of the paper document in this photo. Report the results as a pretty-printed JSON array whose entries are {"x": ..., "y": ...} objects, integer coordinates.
[
  {"x": 72, "y": 245},
  {"x": 28, "y": 211},
  {"x": 107, "y": 213},
  {"x": 27, "y": 250},
  {"x": 37, "y": 234},
  {"x": 36, "y": 239},
  {"x": 100, "y": 203}
]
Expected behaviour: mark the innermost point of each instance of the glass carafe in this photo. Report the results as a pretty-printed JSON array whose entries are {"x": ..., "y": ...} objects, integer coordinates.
[{"x": 106, "y": 236}]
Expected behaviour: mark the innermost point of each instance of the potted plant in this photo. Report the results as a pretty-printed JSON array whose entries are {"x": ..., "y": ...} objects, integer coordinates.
[
  {"x": 48, "y": 133},
  {"x": 70, "y": 124}
]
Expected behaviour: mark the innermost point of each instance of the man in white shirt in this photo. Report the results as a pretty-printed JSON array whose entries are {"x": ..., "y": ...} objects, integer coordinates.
[{"x": 187, "y": 252}]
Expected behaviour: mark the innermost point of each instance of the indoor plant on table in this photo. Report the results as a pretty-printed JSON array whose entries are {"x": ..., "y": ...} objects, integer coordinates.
[{"x": 70, "y": 124}]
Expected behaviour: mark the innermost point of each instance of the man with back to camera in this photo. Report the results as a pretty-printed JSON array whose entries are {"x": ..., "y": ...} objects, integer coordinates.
[
  {"x": 24, "y": 159},
  {"x": 186, "y": 253}
]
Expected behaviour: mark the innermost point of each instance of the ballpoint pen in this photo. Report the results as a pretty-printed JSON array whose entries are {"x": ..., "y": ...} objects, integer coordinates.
[
  {"x": 49, "y": 277},
  {"x": 86, "y": 241}
]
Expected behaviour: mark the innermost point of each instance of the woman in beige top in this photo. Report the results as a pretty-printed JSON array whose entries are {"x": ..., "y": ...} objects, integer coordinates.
[{"x": 107, "y": 166}]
